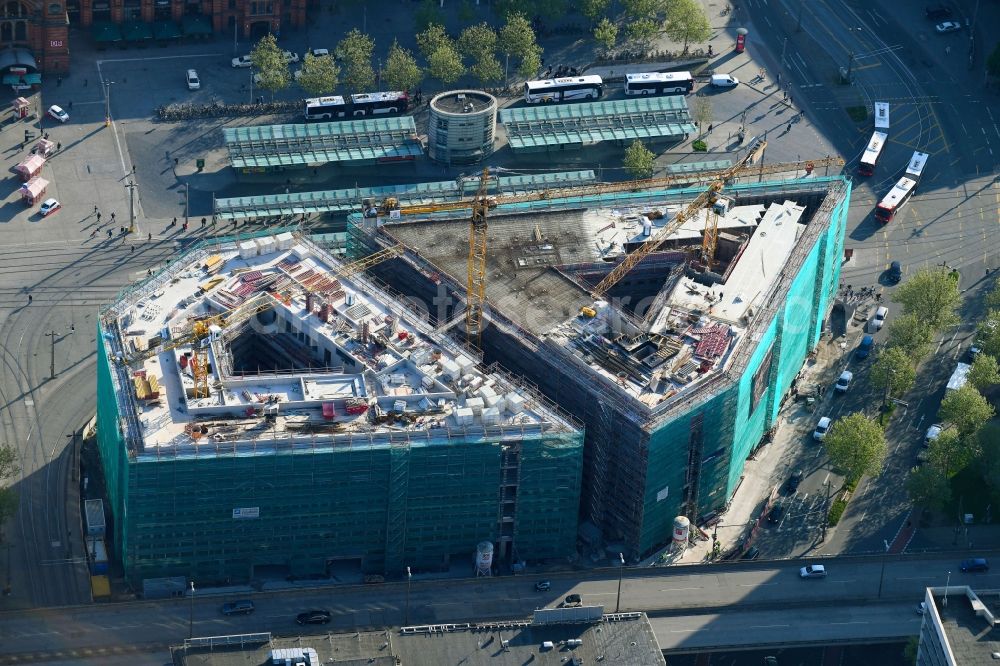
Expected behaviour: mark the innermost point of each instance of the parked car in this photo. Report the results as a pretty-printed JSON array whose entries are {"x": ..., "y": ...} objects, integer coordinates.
[
  {"x": 752, "y": 554},
  {"x": 724, "y": 81},
  {"x": 290, "y": 56},
  {"x": 776, "y": 513},
  {"x": 319, "y": 53},
  {"x": 937, "y": 13},
  {"x": 895, "y": 273},
  {"x": 242, "y": 61},
  {"x": 819, "y": 434},
  {"x": 193, "y": 82},
  {"x": 49, "y": 206},
  {"x": 573, "y": 600},
  {"x": 933, "y": 433},
  {"x": 844, "y": 381},
  {"x": 864, "y": 349},
  {"x": 58, "y": 113},
  {"x": 975, "y": 564},
  {"x": 543, "y": 586},
  {"x": 879, "y": 321},
  {"x": 241, "y": 607},
  {"x": 948, "y": 26},
  {"x": 313, "y": 617},
  {"x": 813, "y": 571},
  {"x": 972, "y": 352},
  {"x": 794, "y": 481}
]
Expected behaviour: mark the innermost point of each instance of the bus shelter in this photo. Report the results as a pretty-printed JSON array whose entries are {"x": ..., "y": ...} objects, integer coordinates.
[
  {"x": 30, "y": 167},
  {"x": 622, "y": 121},
  {"x": 34, "y": 190},
  {"x": 371, "y": 141}
]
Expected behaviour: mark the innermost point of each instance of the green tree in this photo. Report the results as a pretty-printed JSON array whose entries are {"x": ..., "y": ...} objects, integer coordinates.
[
  {"x": 401, "y": 70},
  {"x": 8, "y": 470},
  {"x": 593, "y": 9},
  {"x": 988, "y": 334},
  {"x": 893, "y": 372},
  {"x": 432, "y": 38},
  {"x": 428, "y": 14},
  {"x": 966, "y": 409},
  {"x": 928, "y": 487},
  {"x": 486, "y": 68},
  {"x": 932, "y": 295},
  {"x": 644, "y": 9},
  {"x": 546, "y": 9},
  {"x": 909, "y": 333},
  {"x": 530, "y": 65},
  {"x": 272, "y": 68},
  {"x": 687, "y": 22},
  {"x": 856, "y": 444},
  {"x": 643, "y": 31},
  {"x": 989, "y": 454},
  {"x": 445, "y": 65},
  {"x": 993, "y": 62},
  {"x": 639, "y": 160},
  {"x": 702, "y": 113},
  {"x": 478, "y": 41},
  {"x": 984, "y": 372},
  {"x": 356, "y": 49},
  {"x": 992, "y": 299},
  {"x": 517, "y": 40},
  {"x": 318, "y": 75},
  {"x": 950, "y": 454},
  {"x": 606, "y": 34}
]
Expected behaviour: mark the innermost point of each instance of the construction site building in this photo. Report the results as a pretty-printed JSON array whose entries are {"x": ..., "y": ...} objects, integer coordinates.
[
  {"x": 264, "y": 410},
  {"x": 679, "y": 370}
]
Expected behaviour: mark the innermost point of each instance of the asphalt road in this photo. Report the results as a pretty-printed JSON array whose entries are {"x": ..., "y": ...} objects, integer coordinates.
[{"x": 761, "y": 587}]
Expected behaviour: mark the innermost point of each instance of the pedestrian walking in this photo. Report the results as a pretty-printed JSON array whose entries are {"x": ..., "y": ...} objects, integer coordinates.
[
  {"x": 29, "y": 299},
  {"x": 788, "y": 129},
  {"x": 109, "y": 233},
  {"x": 203, "y": 222},
  {"x": 132, "y": 249},
  {"x": 710, "y": 128},
  {"x": 174, "y": 223},
  {"x": 95, "y": 208},
  {"x": 58, "y": 146},
  {"x": 112, "y": 216},
  {"x": 149, "y": 236},
  {"x": 98, "y": 217},
  {"x": 70, "y": 105}
]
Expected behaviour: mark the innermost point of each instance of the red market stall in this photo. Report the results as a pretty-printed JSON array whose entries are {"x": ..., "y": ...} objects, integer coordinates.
[
  {"x": 44, "y": 147},
  {"x": 21, "y": 107},
  {"x": 30, "y": 167},
  {"x": 34, "y": 190}
]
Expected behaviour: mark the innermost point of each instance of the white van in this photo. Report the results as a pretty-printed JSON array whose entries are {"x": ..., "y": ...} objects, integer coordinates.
[
  {"x": 192, "y": 80},
  {"x": 724, "y": 81}
]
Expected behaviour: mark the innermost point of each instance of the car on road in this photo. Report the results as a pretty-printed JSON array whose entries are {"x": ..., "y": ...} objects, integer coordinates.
[
  {"x": 972, "y": 352},
  {"x": 895, "y": 273},
  {"x": 49, "y": 206},
  {"x": 813, "y": 571},
  {"x": 241, "y": 607},
  {"x": 879, "y": 321},
  {"x": 937, "y": 13},
  {"x": 844, "y": 381},
  {"x": 724, "y": 81},
  {"x": 313, "y": 617},
  {"x": 319, "y": 53},
  {"x": 193, "y": 82},
  {"x": 948, "y": 26},
  {"x": 242, "y": 61},
  {"x": 776, "y": 513},
  {"x": 543, "y": 586},
  {"x": 290, "y": 56},
  {"x": 573, "y": 600},
  {"x": 864, "y": 349},
  {"x": 794, "y": 481},
  {"x": 975, "y": 565},
  {"x": 819, "y": 434},
  {"x": 752, "y": 554},
  {"x": 58, "y": 113},
  {"x": 933, "y": 433}
]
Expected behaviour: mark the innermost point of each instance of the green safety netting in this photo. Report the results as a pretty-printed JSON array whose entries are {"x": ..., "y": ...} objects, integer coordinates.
[
  {"x": 135, "y": 31},
  {"x": 105, "y": 32}
]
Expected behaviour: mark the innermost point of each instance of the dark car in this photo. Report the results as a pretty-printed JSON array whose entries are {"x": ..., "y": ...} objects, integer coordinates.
[
  {"x": 793, "y": 481},
  {"x": 313, "y": 617},
  {"x": 974, "y": 564},
  {"x": 542, "y": 586},
  {"x": 937, "y": 13},
  {"x": 573, "y": 600},
  {"x": 864, "y": 349},
  {"x": 776, "y": 514},
  {"x": 241, "y": 607},
  {"x": 751, "y": 554},
  {"x": 895, "y": 273}
]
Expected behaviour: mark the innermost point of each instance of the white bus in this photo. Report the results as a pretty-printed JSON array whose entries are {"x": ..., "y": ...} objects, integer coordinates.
[
  {"x": 869, "y": 159},
  {"x": 882, "y": 116},
  {"x": 892, "y": 202},
  {"x": 659, "y": 83},
  {"x": 916, "y": 166},
  {"x": 560, "y": 90},
  {"x": 379, "y": 103},
  {"x": 325, "y": 108}
]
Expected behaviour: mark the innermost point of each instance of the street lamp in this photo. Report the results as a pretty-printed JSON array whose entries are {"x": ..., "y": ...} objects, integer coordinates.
[
  {"x": 621, "y": 569},
  {"x": 406, "y": 614},
  {"x": 107, "y": 103},
  {"x": 191, "y": 614},
  {"x": 881, "y": 574},
  {"x": 946, "y": 586}
]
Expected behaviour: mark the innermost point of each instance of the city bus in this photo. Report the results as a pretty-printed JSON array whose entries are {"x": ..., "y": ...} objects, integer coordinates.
[
  {"x": 892, "y": 202},
  {"x": 379, "y": 103},
  {"x": 869, "y": 159},
  {"x": 916, "y": 166},
  {"x": 882, "y": 116},
  {"x": 325, "y": 108},
  {"x": 659, "y": 83},
  {"x": 560, "y": 90}
]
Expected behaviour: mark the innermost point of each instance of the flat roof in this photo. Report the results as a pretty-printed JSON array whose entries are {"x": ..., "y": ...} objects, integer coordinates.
[
  {"x": 304, "y": 354},
  {"x": 457, "y": 101},
  {"x": 972, "y": 638}
]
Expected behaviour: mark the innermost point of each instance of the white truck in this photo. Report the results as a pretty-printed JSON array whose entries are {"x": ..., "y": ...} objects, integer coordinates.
[{"x": 958, "y": 378}]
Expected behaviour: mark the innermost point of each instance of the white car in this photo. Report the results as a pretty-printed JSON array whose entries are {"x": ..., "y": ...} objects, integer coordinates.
[
  {"x": 290, "y": 56},
  {"x": 844, "y": 381},
  {"x": 193, "y": 82},
  {"x": 58, "y": 113},
  {"x": 242, "y": 62},
  {"x": 933, "y": 433},
  {"x": 724, "y": 81},
  {"x": 49, "y": 206},
  {"x": 948, "y": 26},
  {"x": 319, "y": 53},
  {"x": 813, "y": 571},
  {"x": 879, "y": 321},
  {"x": 819, "y": 434}
]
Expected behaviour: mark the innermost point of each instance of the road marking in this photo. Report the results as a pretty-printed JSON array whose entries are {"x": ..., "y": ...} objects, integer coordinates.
[
  {"x": 679, "y": 589},
  {"x": 684, "y": 631},
  {"x": 851, "y": 622},
  {"x": 776, "y": 626},
  {"x": 756, "y": 584},
  {"x": 170, "y": 57}
]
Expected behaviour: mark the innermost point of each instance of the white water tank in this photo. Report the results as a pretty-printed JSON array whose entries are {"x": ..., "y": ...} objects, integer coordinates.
[
  {"x": 484, "y": 558},
  {"x": 647, "y": 227},
  {"x": 682, "y": 529}
]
